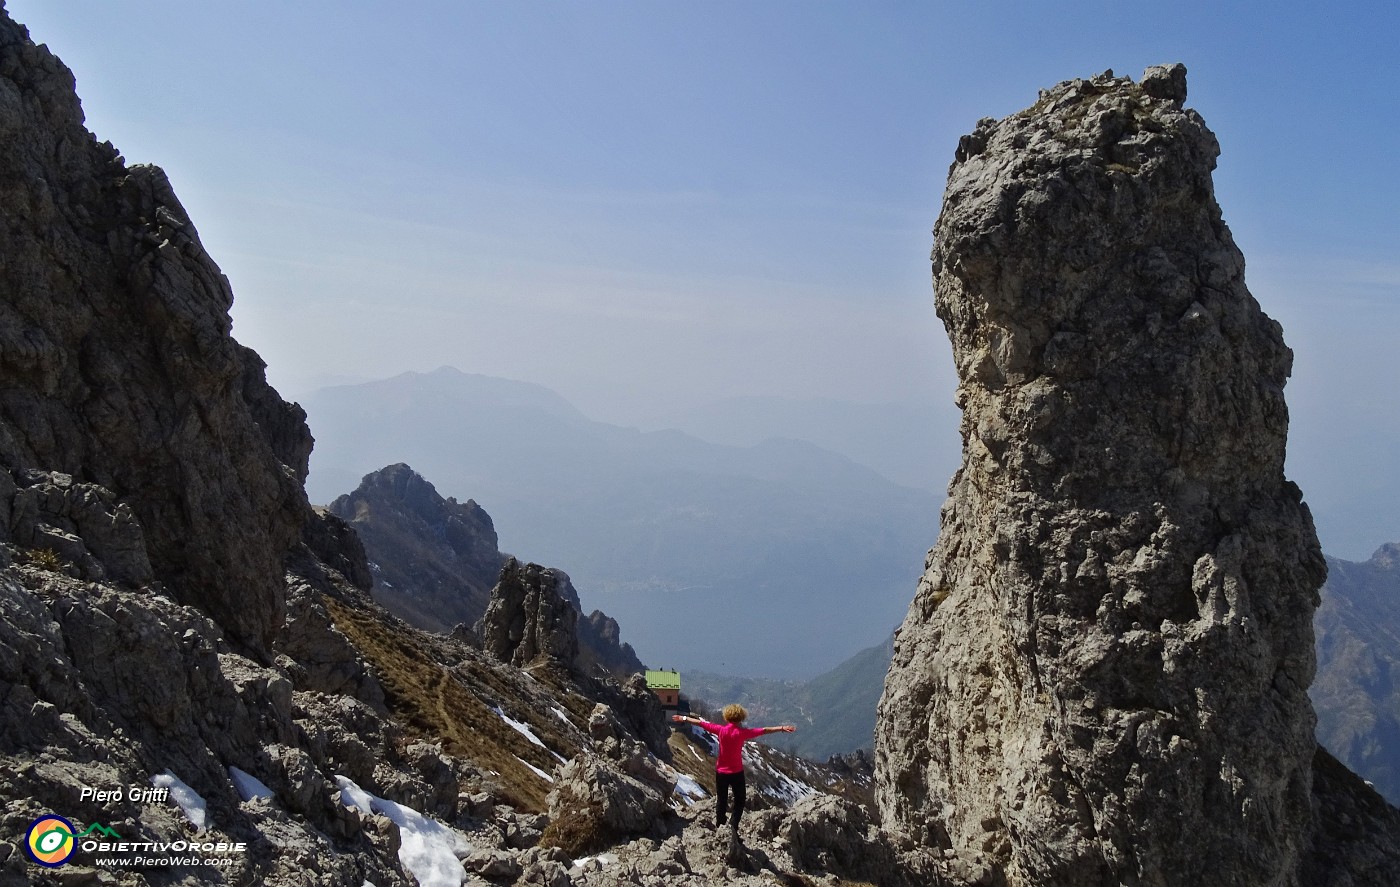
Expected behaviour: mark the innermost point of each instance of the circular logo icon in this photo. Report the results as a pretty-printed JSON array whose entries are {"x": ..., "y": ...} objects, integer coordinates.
[{"x": 49, "y": 840}]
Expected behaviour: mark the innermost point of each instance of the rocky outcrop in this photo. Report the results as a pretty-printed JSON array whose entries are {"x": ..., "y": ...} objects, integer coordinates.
[
  {"x": 530, "y": 617},
  {"x": 434, "y": 560},
  {"x": 601, "y": 649},
  {"x": 122, "y": 377},
  {"x": 75, "y": 524},
  {"x": 534, "y": 613},
  {"x": 1103, "y": 676}
]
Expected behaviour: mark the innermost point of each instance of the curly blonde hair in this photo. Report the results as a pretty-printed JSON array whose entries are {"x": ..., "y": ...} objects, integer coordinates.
[{"x": 735, "y": 713}]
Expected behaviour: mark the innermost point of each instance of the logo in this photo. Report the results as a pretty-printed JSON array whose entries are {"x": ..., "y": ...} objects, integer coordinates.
[{"x": 51, "y": 839}]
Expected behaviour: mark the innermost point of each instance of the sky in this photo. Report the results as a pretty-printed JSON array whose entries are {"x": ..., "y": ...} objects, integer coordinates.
[{"x": 649, "y": 205}]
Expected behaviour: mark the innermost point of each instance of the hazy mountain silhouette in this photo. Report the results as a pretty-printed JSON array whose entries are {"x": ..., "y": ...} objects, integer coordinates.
[
  {"x": 779, "y": 558},
  {"x": 1357, "y": 688},
  {"x": 916, "y": 445}
]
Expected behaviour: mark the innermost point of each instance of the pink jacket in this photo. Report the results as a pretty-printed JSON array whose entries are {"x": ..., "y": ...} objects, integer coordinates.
[{"x": 731, "y": 745}]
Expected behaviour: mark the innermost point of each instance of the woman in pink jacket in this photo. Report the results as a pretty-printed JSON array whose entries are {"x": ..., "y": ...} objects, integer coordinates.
[{"x": 729, "y": 767}]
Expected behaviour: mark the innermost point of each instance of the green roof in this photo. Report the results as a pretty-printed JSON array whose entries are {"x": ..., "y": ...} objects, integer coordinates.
[{"x": 663, "y": 680}]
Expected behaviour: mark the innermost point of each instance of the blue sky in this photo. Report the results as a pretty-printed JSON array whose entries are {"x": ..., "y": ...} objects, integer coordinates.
[{"x": 648, "y": 205}]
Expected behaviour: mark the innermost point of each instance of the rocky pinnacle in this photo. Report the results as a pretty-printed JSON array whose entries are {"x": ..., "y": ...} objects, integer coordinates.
[{"x": 1103, "y": 676}]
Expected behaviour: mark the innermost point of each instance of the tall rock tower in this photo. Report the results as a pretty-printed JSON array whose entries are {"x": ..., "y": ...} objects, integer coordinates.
[{"x": 1103, "y": 676}]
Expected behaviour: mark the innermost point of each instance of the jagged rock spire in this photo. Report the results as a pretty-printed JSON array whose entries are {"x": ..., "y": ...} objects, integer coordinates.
[{"x": 1103, "y": 676}]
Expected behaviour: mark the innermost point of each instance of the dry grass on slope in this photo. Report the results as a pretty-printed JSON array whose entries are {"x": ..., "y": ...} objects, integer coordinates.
[{"x": 453, "y": 704}]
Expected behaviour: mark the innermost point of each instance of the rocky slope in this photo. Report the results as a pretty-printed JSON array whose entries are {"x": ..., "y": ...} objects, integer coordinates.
[
  {"x": 120, "y": 371},
  {"x": 1103, "y": 676},
  {"x": 1357, "y": 690},
  {"x": 190, "y": 665}
]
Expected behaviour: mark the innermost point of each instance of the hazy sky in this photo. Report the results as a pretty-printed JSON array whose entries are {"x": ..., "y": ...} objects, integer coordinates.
[{"x": 657, "y": 203}]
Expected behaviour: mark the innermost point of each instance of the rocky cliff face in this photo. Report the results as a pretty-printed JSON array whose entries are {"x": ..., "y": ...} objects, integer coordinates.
[
  {"x": 1103, "y": 676},
  {"x": 168, "y": 458}
]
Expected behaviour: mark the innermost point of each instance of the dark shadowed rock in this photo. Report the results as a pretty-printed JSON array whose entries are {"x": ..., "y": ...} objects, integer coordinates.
[
  {"x": 335, "y": 543},
  {"x": 601, "y": 648},
  {"x": 1103, "y": 676},
  {"x": 120, "y": 371},
  {"x": 434, "y": 559}
]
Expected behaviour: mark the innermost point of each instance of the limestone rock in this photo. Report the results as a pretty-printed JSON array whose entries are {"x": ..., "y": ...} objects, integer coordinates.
[
  {"x": 320, "y": 657},
  {"x": 120, "y": 370},
  {"x": 335, "y": 544},
  {"x": 594, "y": 804},
  {"x": 436, "y": 562},
  {"x": 830, "y": 834},
  {"x": 1356, "y": 834},
  {"x": 601, "y": 649},
  {"x": 80, "y": 523},
  {"x": 1103, "y": 676},
  {"x": 528, "y": 617},
  {"x": 641, "y": 711}
]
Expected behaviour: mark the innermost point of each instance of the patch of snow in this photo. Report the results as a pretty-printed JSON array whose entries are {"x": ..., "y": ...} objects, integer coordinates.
[
  {"x": 249, "y": 787},
  {"x": 538, "y": 772},
  {"x": 785, "y": 788},
  {"x": 563, "y": 717},
  {"x": 524, "y": 730},
  {"x": 427, "y": 848},
  {"x": 602, "y": 858},
  {"x": 711, "y": 743},
  {"x": 519, "y": 726},
  {"x": 689, "y": 789},
  {"x": 187, "y": 798}
]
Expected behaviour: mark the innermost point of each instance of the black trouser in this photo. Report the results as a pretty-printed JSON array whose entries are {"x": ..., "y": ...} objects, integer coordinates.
[{"x": 723, "y": 782}]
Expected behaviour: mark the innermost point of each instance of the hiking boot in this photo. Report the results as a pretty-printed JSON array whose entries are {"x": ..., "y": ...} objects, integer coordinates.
[{"x": 735, "y": 853}]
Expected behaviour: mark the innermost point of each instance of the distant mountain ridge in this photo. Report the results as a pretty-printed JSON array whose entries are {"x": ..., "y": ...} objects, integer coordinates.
[
  {"x": 899, "y": 440},
  {"x": 1357, "y": 688},
  {"x": 778, "y": 558}
]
